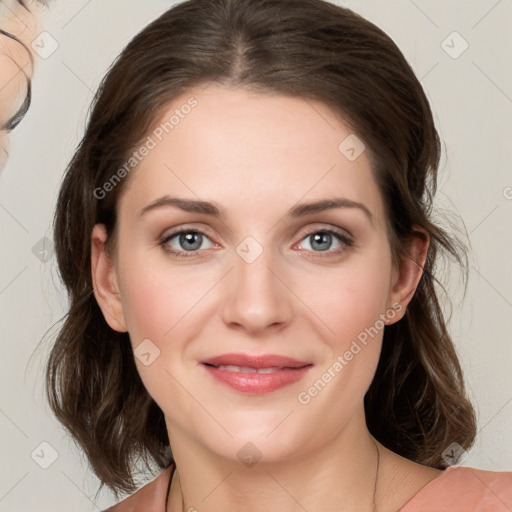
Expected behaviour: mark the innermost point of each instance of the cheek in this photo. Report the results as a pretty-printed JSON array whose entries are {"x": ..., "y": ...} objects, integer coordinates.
[
  {"x": 157, "y": 307},
  {"x": 164, "y": 302},
  {"x": 155, "y": 302},
  {"x": 352, "y": 297},
  {"x": 351, "y": 302}
]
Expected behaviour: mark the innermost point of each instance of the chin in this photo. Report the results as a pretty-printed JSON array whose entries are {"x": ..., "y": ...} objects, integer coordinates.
[{"x": 262, "y": 436}]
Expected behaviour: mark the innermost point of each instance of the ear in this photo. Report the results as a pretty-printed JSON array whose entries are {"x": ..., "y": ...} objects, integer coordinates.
[
  {"x": 408, "y": 274},
  {"x": 104, "y": 279}
]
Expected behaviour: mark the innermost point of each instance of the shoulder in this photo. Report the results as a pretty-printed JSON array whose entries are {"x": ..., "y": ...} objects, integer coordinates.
[
  {"x": 465, "y": 489},
  {"x": 152, "y": 496}
]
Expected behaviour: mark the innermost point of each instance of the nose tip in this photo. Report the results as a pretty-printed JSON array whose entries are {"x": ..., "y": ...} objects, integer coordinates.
[{"x": 257, "y": 300}]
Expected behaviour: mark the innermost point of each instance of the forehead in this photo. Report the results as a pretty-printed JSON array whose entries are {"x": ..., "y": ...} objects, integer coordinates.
[{"x": 228, "y": 144}]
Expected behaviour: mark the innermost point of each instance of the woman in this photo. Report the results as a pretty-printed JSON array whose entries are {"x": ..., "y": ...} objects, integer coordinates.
[{"x": 245, "y": 233}]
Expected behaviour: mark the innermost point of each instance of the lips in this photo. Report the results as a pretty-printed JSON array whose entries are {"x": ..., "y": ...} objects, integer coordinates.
[
  {"x": 255, "y": 375},
  {"x": 255, "y": 362}
]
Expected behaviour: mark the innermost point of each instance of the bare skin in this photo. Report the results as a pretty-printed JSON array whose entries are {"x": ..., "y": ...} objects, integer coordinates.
[
  {"x": 399, "y": 481},
  {"x": 258, "y": 156}
]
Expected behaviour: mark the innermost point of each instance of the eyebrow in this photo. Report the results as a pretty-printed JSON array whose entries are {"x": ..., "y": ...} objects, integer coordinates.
[{"x": 211, "y": 208}]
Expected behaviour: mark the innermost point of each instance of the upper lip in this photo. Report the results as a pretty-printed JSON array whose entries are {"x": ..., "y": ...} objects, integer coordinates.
[{"x": 256, "y": 361}]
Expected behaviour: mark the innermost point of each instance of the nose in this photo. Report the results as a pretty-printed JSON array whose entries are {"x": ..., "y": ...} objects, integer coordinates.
[{"x": 257, "y": 298}]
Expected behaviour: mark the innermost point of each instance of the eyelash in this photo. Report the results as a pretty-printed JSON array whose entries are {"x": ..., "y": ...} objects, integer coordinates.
[{"x": 348, "y": 242}]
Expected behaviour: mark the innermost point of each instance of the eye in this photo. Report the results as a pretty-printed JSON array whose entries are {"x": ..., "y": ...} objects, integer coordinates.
[
  {"x": 321, "y": 240},
  {"x": 185, "y": 241}
]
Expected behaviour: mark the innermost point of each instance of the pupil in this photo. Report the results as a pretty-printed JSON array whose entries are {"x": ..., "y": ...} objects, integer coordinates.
[
  {"x": 188, "y": 238},
  {"x": 318, "y": 237}
]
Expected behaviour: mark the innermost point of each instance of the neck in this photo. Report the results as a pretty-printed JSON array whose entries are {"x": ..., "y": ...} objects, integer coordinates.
[{"x": 337, "y": 475}]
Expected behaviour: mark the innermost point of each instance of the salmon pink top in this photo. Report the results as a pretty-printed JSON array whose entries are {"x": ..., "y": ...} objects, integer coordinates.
[{"x": 457, "y": 489}]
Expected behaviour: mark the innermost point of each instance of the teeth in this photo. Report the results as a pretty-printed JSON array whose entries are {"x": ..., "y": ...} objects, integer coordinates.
[{"x": 243, "y": 369}]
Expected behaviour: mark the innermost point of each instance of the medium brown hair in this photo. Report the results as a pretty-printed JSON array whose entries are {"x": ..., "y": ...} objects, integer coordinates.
[{"x": 311, "y": 49}]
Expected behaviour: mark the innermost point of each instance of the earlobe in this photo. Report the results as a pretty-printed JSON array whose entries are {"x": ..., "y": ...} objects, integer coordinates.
[
  {"x": 408, "y": 275},
  {"x": 104, "y": 279}
]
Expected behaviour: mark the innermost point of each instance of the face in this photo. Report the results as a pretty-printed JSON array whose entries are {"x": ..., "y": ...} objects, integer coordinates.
[
  {"x": 21, "y": 24},
  {"x": 264, "y": 276}
]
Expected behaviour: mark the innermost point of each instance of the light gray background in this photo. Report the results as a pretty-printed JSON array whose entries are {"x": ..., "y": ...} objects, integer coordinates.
[{"x": 471, "y": 97}]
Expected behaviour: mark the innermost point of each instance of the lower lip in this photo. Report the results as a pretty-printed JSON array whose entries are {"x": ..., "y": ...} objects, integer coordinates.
[{"x": 258, "y": 383}]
